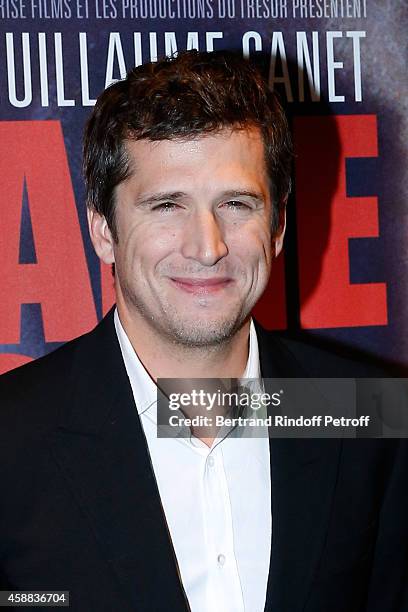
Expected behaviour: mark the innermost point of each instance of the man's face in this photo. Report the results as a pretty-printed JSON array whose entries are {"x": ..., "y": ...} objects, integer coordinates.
[{"x": 194, "y": 243}]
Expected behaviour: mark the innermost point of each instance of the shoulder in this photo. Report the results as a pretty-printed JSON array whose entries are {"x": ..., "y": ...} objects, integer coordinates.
[
  {"x": 302, "y": 355},
  {"x": 26, "y": 378},
  {"x": 35, "y": 391},
  {"x": 31, "y": 394}
]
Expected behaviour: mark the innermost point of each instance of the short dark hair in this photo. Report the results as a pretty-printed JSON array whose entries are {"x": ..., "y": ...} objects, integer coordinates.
[{"x": 192, "y": 94}]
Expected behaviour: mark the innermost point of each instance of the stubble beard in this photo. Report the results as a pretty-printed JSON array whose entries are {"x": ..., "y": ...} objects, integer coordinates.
[
  {"x": 202, "y": 333},
  {"x": 189, "y": 333}
]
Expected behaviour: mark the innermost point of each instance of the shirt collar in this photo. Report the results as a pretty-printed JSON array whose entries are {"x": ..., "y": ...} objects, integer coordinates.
[{"x": 144, "y": 388}]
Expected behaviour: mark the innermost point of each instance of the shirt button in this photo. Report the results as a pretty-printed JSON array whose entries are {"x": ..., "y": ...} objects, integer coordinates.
[
  {"x": 211, "y": 461},
  {"x": 221, "y": 559}
]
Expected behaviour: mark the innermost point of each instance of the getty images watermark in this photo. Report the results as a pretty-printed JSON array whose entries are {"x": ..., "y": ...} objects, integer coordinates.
[{"x": 210, "y": 408}]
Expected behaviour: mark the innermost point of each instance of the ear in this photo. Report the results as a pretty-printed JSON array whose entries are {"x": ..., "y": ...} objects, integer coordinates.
[
  {"x": 277, "y": 238},
  {"x": 101, "y": 236}
]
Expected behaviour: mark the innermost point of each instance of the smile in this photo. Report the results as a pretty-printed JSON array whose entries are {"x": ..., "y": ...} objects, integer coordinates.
[{"x": 201, "y": 286}]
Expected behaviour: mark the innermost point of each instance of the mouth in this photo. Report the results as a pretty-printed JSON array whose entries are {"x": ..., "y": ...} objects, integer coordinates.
[{"x": 201, "y": 286}]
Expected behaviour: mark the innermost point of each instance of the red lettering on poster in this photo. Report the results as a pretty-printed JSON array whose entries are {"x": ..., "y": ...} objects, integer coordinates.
[
  {"x": 270, "y": 311},
  {"x": 59, "y": 281},
  {"x": 327, "y": 218}
]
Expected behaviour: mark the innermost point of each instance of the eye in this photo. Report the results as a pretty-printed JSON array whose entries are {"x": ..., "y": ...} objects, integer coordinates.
[
  {"x": 165, "y": 207},
  {"x": 237, "y": 205}
]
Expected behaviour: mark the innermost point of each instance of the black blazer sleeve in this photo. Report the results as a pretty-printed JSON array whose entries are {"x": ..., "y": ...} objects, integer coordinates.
[{"x": 388, "y": 590}]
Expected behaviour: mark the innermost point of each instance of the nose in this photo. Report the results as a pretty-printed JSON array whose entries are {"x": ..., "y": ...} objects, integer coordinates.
[{"x": 203, "y": 239}]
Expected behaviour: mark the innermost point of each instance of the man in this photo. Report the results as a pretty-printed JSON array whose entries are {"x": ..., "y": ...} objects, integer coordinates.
[{"x": 187, "y": 170}]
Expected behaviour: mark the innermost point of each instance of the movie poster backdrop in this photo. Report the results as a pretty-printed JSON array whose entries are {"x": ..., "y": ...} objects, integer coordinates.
[{"x": 340, "y": 69}]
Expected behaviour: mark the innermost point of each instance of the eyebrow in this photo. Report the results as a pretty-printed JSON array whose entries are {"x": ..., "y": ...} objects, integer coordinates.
[
  {"x": 179, "y": 195},
  {"x": 159, "y": 197}
]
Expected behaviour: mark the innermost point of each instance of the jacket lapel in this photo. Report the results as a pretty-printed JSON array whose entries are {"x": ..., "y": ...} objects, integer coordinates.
[
  {"x": 102, "y": 452},
  {"x": 303, "y": 479}
]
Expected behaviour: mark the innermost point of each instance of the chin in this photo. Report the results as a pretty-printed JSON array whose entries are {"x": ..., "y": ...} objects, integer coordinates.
[{"x": 200, "y": 333}]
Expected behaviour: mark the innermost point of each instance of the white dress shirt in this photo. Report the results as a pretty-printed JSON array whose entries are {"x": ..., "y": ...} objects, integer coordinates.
[{"x": 217, "y": 501}]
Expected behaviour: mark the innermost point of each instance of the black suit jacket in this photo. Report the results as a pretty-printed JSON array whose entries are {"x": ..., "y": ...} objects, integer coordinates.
[{"x": 80, "y": 508}]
